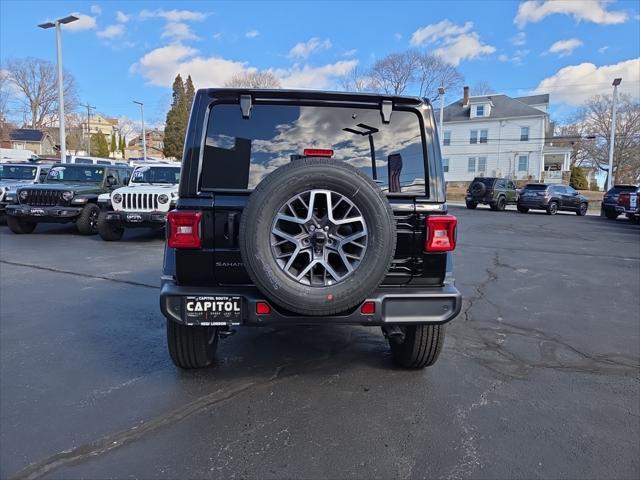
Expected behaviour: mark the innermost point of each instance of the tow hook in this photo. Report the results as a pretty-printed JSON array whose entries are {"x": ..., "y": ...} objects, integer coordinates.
[
  {"x": 394, "y": 333},
  {"x": 225, "y": 332}
]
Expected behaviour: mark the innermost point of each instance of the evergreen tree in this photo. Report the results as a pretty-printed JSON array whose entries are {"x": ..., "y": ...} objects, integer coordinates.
[
  {"x": 99, "y": 146},
  {"x": 176, "y": 122},
  {"x": 123, "y": 144},
  {"x": 190, "y": 92},
  {"x": 578, "y": 179},
  {"x": 113, "y": 143}
]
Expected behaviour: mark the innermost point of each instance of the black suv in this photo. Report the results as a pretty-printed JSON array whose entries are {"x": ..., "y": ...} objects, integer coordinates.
[
  {"x": 552, "y": 198},
  {"x": 309, "y": 208},
  {"x": 609, "y": 207},
  {"x": 68, "y": 194},
  {"x": 495, "y": 192}
]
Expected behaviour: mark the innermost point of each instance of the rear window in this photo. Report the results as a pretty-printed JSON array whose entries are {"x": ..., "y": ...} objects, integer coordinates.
[
  {"x": 623, "y": 188},
  {"x": 535, "y": 187},
  {"x": 239, "y": 152}
]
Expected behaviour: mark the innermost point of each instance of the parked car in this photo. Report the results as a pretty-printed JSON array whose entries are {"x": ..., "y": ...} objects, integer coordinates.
[
  {"x": 282, "y": 218},
  {"x": 14, "y": 175},
  {"x": 629, "y": 205},
  {"x": 552, "y": 198},
  {"x": 492, "y": 191},
  {"x": 610, "y": 200},
  {"x": 143, "y": 203},
  {"x": 69, "y": 194}
]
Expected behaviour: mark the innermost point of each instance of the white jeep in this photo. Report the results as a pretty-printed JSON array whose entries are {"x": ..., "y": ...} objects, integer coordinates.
[{"x": 151, "y": 192}]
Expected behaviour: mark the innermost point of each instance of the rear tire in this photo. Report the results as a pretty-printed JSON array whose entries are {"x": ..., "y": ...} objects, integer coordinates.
[
  {"x": 523, "y": 209},
  {"x": 421, "y": 346},
  {"x": 552, "y": 208},
  {"x": 108, "y": 231},
  {"x": 191, "y": 346},
  {"x": 20, "y": 226},
  {"x": 499, "y": 205},
  {"x": 471, "y": 205},
  {"x": 611, "y": 215},
  {"x": 87, "y": 223}
]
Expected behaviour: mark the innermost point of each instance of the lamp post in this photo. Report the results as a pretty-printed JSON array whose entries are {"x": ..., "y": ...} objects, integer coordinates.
[
  {"x": 144, "y": 135},
  {"x": 615, "y": 84},
  {"x": 57, "y": 23},
  {"x": 441, "y": 92}
]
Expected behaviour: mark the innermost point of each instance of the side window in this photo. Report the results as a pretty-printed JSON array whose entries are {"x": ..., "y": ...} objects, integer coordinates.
[
  {"x": 524, "y": 134},
  {"x": 445, "y": 165},
  {"x": 499, "y": 184},
  {"x": 471, "y": 165},
  {"x": 473, "y": 136},
  {"x": 484, "y": 134},
  {"x": 114, "y": 173},
  {"x": 570, "y": 190},
  {"x": 43, "y": 174},
  {"x": 482, "y": 164},
  {"x": 510, "y": 185},
  {"x": 523, "y": 163},
  {"x": 480, "y": 111}
]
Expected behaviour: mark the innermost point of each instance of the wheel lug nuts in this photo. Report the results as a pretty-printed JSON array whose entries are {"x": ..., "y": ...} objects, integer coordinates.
[
  {"x": 312, "y": 228},
  {"x": 326, "y": 229}
]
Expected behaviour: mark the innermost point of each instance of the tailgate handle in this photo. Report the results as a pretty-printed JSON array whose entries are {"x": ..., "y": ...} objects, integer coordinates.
[{"x": 231, "y": 228}]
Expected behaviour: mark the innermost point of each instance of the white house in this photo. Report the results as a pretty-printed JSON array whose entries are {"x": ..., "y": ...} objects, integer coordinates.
[{"x": 496, "y": 135}]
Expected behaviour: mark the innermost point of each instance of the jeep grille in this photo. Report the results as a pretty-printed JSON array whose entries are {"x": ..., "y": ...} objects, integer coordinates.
[
  {"x": 140, "y": 201},
  {"x": 43, "y": 198}
]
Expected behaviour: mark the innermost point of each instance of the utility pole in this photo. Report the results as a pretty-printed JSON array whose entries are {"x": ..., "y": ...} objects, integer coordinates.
[
  {"x": 144, "y": 135},
  {"x": 57, "y": 24},
  {"x": 89, "y": 108},
  {"x": 615, "y": 84}
]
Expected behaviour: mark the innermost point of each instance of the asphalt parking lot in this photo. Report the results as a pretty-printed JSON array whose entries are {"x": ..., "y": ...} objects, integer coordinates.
[{"x": 539, "y": 376}]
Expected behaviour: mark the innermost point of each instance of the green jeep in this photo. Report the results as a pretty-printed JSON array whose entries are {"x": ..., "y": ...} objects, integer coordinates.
[
  {"x": 68, "y": 194},
  {"x": 492, "y": 191}
]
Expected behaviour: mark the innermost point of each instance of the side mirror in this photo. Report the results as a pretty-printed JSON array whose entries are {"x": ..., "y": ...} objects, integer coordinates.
[{"x": 575, "y": 194}]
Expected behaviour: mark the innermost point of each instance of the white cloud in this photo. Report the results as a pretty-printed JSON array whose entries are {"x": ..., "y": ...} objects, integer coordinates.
[
  {"x": 305, "y": 49},
  {"x": 178, "y": 31},
  {"x": 576, "y": 83},
  {"x": 439, "y": 31},
  {"x": 174, "y": 15},
  {"x": 84, "y": 22},
  {"x": 519, "y": 39},
  {"x": 503, "y": 58},
  {"x": 122, "y": 17},
  {"x": 455, "y": 42},
  {"x": 464, "y": 47},
  {"x": 350, "y": 53},
  {"x": 217, "y": 36},
  {"x": 112, "y": 31},
  {"x": 595, "y": 11},
  {"x": 314, "y": 77},
  {"x": 603, "y": 49},
  {"x": 565, "y": 47},
  {"x": 96, "y": 9},
  {"x": 252, "y": 34}
]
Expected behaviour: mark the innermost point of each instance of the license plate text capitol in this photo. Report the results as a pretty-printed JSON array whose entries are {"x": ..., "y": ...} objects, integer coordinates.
[{"x": 213, "y": 310}]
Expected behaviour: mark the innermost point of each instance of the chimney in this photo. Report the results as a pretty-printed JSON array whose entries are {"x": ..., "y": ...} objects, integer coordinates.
[{"x": 465, "y": 98}]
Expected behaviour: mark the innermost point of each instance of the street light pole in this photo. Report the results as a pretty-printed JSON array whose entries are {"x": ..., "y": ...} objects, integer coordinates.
[
  {"x": 57, "y": 24},
  {"x": 615, "y": 84},
  {"x": 144, "y": 135}
]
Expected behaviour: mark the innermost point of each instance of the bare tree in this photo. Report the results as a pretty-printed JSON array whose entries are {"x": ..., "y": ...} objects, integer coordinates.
[
  {"x": 355, "y": 82},
  {"x": 36, "y": 82},
  {"x": 594, "y": 120},
  {"x": 433, "y": 72},
  {"x": 253, "y": 80},
  {"x": 482, "y": 87},
  {"x": 4, "y": 95},
  {"x": 394, "y": 73}
]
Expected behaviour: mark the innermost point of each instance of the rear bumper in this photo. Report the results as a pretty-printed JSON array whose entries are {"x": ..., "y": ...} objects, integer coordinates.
[
  {"x": 541, "y": 203},
  {"x": 394, "y": 305},
  {"x": 136, "y": 219},
  {"x": 57, "y": 214}
]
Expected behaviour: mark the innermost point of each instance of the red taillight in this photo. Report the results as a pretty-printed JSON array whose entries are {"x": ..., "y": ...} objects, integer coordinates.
[
  {"x": 318, "y": 152},
  {"x": 263, "y": 308},
  {"x": 441, "y": 233},
  {"x": 368, "y": 308},
  {"x": 184, "y": 229}
]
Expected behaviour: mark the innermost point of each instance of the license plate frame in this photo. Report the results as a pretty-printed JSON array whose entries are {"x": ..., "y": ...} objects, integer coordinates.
[
  {"x": 134, "y": 218},
  {"x": 217, "y": 310},
  {"x": 37, "y": 212}
]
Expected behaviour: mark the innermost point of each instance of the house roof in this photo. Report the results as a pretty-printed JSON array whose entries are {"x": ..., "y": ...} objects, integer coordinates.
[
  {"x": 27, "y": 135},
  {"x": 503, "y": 107},
  {"x": 534, "y": 99}
]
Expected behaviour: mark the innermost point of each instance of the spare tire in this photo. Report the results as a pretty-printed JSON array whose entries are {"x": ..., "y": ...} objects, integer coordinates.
[
  {"x": 477, "y": 189},
  {"x": 317, "y": 236}
]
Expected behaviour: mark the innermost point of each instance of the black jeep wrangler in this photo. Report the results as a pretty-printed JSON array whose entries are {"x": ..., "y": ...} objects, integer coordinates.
[
  {"x": 68, "y": 194},
  {"x": 492, "y": 191},
  {"x": 309, "y": 208}
]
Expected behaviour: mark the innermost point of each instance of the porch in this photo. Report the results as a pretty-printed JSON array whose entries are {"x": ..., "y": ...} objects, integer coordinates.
[{"x": 556, "y": 164}]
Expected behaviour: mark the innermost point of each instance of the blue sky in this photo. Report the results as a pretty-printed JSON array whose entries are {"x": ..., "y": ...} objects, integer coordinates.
[{"x": 121, "y": 51}]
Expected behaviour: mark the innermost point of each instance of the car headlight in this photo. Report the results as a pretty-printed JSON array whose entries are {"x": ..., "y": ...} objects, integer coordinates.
[
  {"x": 117, "y": 198},
  {"x": 23, "y": 195},
  {"x": 163, "y": 198},
  {"x": 67, "y": 196}
]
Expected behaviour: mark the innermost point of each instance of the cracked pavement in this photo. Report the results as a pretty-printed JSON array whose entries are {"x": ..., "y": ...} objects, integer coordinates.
[{"x": 539, "y": 375}]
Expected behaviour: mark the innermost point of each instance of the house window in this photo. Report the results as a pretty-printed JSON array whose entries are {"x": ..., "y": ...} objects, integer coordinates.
[
  {"x": 483, "y": 136},
  {"x": 524, "y": 134},
  {"x": 480, "y": 111},
  {"x": 473, "y": 138},
  {"x": 445, "y": 165},
  {"x": 482, "y": 164},
  {"x": 447, "y": 138},
  {"x": 523, "y": 163},
  {"x": 471, "y": 166}
]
